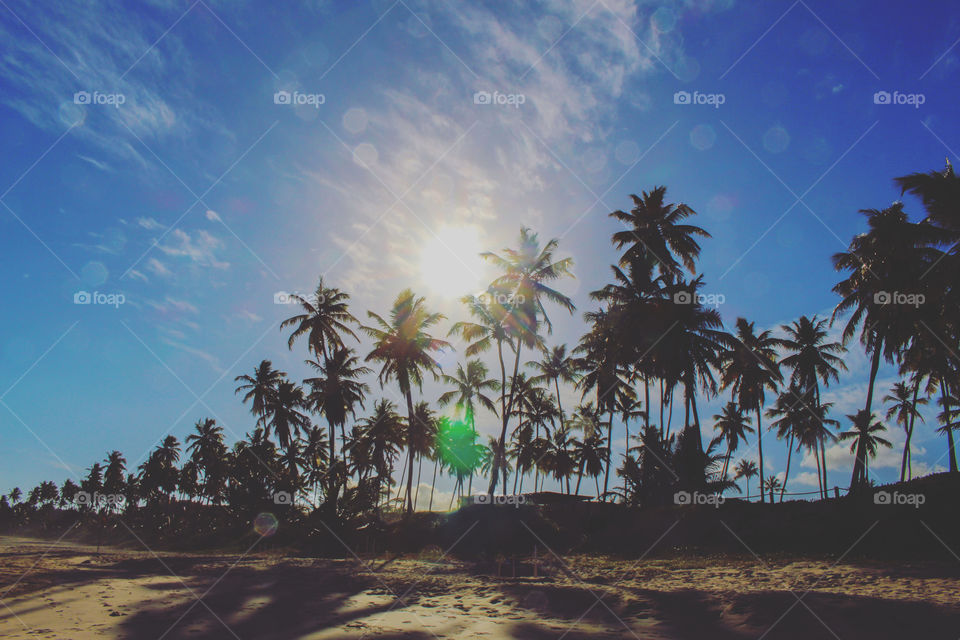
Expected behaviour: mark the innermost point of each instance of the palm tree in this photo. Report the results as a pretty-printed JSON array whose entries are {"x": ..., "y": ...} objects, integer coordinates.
[
  {"x": 556, "y": 367},
  {"x": 590, "y": 454},
  {"x": 208, "y": 452},
  {"x": 733, "y": 427},
  {"x": 469, "y": 386},
  {"x": 260, "y": 387},
  {"x": 113, "y": 475},
  {"x": 812, "y": 359},
  {"x": 903, "y": 405},
  {"x": 283, "y": 413},
  {"x": 655, "y": 235},
  {"x": 865, "y": 442},
  {"x": 888, "y": 259},
  {"x": 403, "y": 347},
  {"x": 336, "y": 392},
  {"x": 745, "y": 469},
  {"x": 325, "y": 318},
  {"x": 771, "y": 485},
  {"x": 423, "y": 434},
  {"x": 525, "y": 272},
  {"x": 750, "y": 369}
]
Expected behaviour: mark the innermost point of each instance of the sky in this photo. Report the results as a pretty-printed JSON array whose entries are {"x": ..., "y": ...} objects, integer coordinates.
[{"x": 180, "y": 165}]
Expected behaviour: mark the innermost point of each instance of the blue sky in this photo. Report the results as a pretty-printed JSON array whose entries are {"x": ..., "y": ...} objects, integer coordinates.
[{"x": 199, "y": 197}]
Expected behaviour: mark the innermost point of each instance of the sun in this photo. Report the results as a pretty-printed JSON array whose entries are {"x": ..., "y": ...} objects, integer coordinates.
[{"x": 450, "y": 263}]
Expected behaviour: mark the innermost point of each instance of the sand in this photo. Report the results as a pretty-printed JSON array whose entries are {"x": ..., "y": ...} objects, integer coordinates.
[{"x": 65, "y": 590}]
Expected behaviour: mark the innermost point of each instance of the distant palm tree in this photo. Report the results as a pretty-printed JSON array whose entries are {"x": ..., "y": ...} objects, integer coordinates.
[
  {"x": 524, "y": 274},
  {"x": 812, "y": 360},
  {"x": 336, "y": 391},
  {"x": 325, "y": 319},
  {"x": 865, "y": 442},
  {"x": 750, "y": 369},
  {"x": 904, "y": 407},
  {"x": 208, "y": 453},
  {"x": 469, "y": 386},
  {"x": 260, "y": 387},
  {"x": 284, "y": 413},
  {"x": 656, "y": 236},
  {"x": 403, "y": 345},
  {"x": 745, "y": 469},
  {"x": 733, "y": 427},
  {"x": 771, "y": 485},
  {"x": 114, "y": 473},
  {"x": 556, "y": 367}
]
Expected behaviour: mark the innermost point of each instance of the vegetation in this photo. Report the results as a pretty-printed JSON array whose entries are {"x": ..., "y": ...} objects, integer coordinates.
[{"x": 652, "y": 328}]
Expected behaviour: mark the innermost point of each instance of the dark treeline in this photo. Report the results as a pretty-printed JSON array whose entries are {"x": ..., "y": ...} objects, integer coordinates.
[{"x": 325, "y": 449}]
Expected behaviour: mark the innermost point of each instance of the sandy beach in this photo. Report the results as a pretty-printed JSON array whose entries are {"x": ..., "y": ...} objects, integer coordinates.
[{"x": 66, "y": 591}]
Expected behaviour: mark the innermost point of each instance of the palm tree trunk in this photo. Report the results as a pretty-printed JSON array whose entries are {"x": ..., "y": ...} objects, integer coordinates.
[
  {"x": 661, "y": 409},
  {"x": 409, "y": 451},
  {"x": 433, "y": 485},
  {"x": 646, "y": 401},
  {"x": 606, "y": 471},
  {"x": 906, "y": 443},
  {"x": 502, "y": 442},
  {"x": 760, "y": 449},
  {"x": 786, "y": 474},
  {"x": 859, "y": 465},
  {"x": 726, "y": 461},
  {"x": 816, "y": 456},
  {"x": 579, "y": 477},
  {"x": 951, "y": 452},
  {"x": 416, "y": 495}
]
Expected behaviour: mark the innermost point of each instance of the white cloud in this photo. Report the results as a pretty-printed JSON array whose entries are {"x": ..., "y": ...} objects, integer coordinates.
[
  {"x": 200, "y": 248},
  {"x": 213, "y": 216},
  {"x": 149, "y": 223},
  {"x": 158, "y": 268},
  {"x": 138, "y": 275}
]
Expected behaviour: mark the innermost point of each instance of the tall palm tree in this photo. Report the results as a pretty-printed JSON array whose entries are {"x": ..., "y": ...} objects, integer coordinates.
[
  {"x": 750, "y": 370},
  {"x": 284, "y": 413},
  {"x": 888, "y": 259},
  {"x": 524, "y": 274},
  {"x": 208, "y": 453},
  {"x": 812, "y": 360},
  {"x": 325, "y": 318},
  {"x": 733, "y": 427},
  {"x": 865, "y": 442},
  {"x": 403, "y": 346},
  {"x": 555, "y": 366},
  {"x": 745, "y": 469},
  {"x": 336, "y": 390},
  {"x": 903, "y": 405},
  {"x": 260, "y": 387},
  {"x": 771, "y": 485},
  {"x": 656, "y": 236},
  {"x": 469, "y": 386}
]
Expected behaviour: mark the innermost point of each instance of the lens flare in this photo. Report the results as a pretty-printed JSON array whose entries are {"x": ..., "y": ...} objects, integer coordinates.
[{"x": 265, "y": 524}]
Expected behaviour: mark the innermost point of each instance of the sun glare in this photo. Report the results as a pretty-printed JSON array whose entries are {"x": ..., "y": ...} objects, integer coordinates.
[{"x": 450, "y": 264}]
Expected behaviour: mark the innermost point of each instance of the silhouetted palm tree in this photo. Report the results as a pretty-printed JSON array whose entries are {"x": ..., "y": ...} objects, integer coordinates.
[
  {"x": 403, "y": 346},
  {"x": 733, "y": 427},
  {"x": 325, "y": 319},
  {"x": 745, "y": 469},
  {"x": 903, "y": 406},
  {"x": 260, "y": 387},
  {"x": 865, "y": 442},
  {"x": 749, "y": 370},
  {"x": 525, "y": 272}
]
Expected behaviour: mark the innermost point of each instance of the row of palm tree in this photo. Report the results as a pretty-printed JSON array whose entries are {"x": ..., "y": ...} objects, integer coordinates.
[{"x": 651, "y": 333}]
